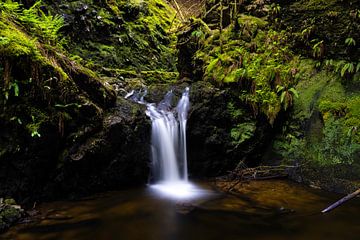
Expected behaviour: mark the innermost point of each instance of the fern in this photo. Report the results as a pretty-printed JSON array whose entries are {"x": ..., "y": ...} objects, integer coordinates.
[
  {"x": 45, "y": 26},
  {"x": 294, "y": 92},
  {"x": 9, "y": 7},
  {"x": 242, "y": 132},
  {"x": 347, "y": 68},
  {"x": 318, "y": 49},
  {"x": 350, "y": 41}
]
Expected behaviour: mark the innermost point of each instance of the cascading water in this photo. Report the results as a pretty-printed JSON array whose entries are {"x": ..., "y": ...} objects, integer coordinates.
[
  {"x": 168, "y": 145},
  {"x": 169, "y": 155},
  {"x": 182, "y": 110}
]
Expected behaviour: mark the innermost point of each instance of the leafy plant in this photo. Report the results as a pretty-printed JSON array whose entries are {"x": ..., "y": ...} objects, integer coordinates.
[
  {"x": 318, "y": 48},
  {"x": 337, "y": 145},
  {"x": 287, "y": 95},
  {"x": 275, "y": 9},
  {"x": 242, "y": 132},
  {"x": 45, "y": 26},
  {"x": 350, "y": 41},
  {"x": 40, "y": 25},
  {"x": 347, "y": 68},
  {"x": 343, "y": 68},
  {"x": 15, "y": 87}
]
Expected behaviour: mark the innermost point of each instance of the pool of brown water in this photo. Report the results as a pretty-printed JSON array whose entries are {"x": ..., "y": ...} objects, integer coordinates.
[{"x": 259, "y": 210}]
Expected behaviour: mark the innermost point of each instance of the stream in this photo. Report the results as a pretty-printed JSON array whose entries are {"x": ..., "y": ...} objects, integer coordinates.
[{"x": 275, "y": 209}]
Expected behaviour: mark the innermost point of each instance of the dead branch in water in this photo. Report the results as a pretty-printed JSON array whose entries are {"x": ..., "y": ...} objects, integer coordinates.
[
  {"x": 241, "y": 174},
  {"x": 341, "y": 201}
]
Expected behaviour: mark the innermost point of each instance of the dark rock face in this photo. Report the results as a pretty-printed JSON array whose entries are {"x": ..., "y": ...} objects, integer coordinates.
[
  {"x": 222, "y": 131},
  {"x": 103, "y": 155},
  {"x": 116, "y": 156},
  {"x": 210, "y": 147}
]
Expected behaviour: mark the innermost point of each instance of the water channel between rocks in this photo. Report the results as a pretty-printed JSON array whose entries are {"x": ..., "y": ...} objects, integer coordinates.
[{"x": 261, "y": 210}]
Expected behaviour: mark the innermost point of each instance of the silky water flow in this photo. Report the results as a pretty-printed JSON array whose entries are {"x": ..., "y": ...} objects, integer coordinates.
[{"x": 168, "y": 145}]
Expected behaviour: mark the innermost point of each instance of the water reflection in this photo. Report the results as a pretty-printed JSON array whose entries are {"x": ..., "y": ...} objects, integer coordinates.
[{"x": 262, "y": 210}]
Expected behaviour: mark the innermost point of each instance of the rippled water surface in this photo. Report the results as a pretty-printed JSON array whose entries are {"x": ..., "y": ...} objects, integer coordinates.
[{"x": 263, "y": 210}]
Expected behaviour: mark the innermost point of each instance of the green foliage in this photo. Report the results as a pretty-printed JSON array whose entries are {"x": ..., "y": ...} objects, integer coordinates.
[
  {"x": 287, "y": 95},
  {"x": 318, "y": 48},
  {"x": 292, "y": 148},
  {"x": 338, "y": 140},
  {"x": 235, "y": 112},
  {"x": 350, "y": 41},
  {"x": 337, "y": 146},
  {"x": 275, "y": 9},
  {"x": 15, "y": 87},
  {"x": 256, "y": 58},
  {"x": 314, "y": 5},
  {"x": 14, "y": 42},
  {"x": 345, "y": 69},
  {"x": 335, "y": 108},
  {"x": 242, "y": 132},
  {"x": 34, "y": 20}
]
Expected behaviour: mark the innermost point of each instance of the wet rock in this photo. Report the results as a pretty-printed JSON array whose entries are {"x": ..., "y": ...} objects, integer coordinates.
[{"x": 10, "y": 213}]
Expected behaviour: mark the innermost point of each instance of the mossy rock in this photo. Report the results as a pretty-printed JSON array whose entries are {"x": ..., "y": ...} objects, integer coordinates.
[
  {"x": 125, "y": 34},
  {"x": 10, "y": 213}
]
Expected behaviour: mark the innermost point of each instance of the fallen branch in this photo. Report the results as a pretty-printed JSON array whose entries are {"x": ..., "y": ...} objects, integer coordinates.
[
  {"x": 258, "y": 173},
  {"x": 341, "y": 201}
]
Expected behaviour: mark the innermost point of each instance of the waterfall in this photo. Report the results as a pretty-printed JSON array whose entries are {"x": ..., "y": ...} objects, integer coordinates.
[
  {"x": 168, "y": 138},
  {"x": 168, "y": 144},
  {"x": 182, "y": 110}
]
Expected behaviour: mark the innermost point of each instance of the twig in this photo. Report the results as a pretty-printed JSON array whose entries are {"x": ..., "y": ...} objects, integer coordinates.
[
  {"x": 179, "y": 10},
  {"x": 211, "y": 9}
]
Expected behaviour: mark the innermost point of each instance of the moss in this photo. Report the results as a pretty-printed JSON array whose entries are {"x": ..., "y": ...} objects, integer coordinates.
[
  {"x": 310, "y": 87},
  {"x": 10, "y": 213},
  {"x": 127, "y": 34},
  {"x": 323, "y": 91},
  {"x": 151, "y": 77},
  {"x": 327, "y": 109},
  {"x": 36, "y": 65},
  {"x": 335, "y": 108},
  {"x": 14, "y": 42},
  {"x": 314, "y": 5},
  {"x": 251, "y": 24}
]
